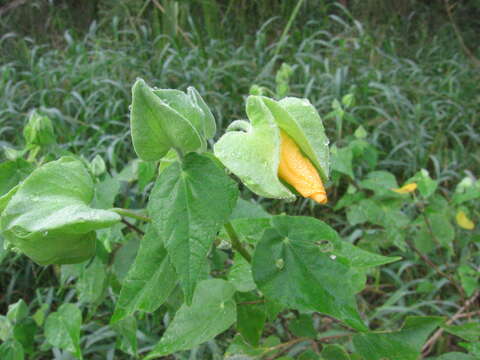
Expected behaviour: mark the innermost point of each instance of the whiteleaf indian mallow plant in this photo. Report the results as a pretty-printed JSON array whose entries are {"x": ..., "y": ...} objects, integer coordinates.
[{"x": 58, "y": 213}]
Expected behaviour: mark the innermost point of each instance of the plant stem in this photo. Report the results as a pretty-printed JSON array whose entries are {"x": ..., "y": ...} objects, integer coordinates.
[
  {"x": 430, "y": 263},
  {"x": 429, "y": 344},
  {"x": 133, "y": 227},
  {"x": 293, "y": 15},
  {"x": 236, "y": 243},
  {"x": 131, "y": 214}
]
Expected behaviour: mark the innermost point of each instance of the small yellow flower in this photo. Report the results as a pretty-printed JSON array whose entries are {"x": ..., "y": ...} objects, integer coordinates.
[
  {"x": 405, "y": 189},
  {"x": 297, "y": 170},
  {"x": 463, "y": 221}
]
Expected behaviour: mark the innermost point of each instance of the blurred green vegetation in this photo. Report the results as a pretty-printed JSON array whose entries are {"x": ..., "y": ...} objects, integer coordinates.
[{"x": 410, "y": 66}]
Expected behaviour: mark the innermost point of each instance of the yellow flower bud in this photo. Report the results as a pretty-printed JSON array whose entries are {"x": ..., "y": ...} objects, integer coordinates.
[
  {"x": 405, "y": 189},
  {"x": 297, "y": 170},
  {"x": 463, "y": 221}
]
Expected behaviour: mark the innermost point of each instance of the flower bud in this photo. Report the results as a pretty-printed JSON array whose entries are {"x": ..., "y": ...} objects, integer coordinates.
[
  {"x": 296, "y": 170},
  {"x": 283, "y": 144}
]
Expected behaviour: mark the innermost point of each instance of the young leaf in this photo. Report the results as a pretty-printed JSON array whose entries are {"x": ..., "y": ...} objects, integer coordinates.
[
  {"x": 17, "y": 311},
  {"x": 156, "y": 127},
  {"x": 188, "y": 205},
  {"x": 292, "y": 265},
  {"x": 150, "y": 280},
  {"x": 49, "y": 217},
  {"x": 62, "y": 328},
  {"x": 212, "y": 311}
]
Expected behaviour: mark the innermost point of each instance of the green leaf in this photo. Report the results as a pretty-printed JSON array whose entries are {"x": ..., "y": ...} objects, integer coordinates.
[
  {"x": 252, "y": 151},
  {"x": 469, "y": 278},
  {"x": 292, "y": 265},
  {"x": 240, "y": 275},
  {"x": 334, "y": 352},
  {"x": 426, "y": 185},
  {"x": 342, "y": 161},
  {"x": 5, "y": 328},
  {"x": 212, "y": 311},
  {"x": 359, "y": 258},
  {"x": 469, "y": 331},
  {"x": 208, "y": 121},
  {"x": 150, "y": 280},
  {"x": 188, "y": 205},
  {"x": 248, "y": 210},
  {"x": 12, "y": 350},
  {"x": 360, "y": 133},
  {"x": 62, "y": 328},
  {"x": 251, "y": 317},
  {"x": 17, "y": 311},
  {"x": 239, "y": 349},
  {"x": 49, "y": 217},
  {"x": 147, "y": 170},
  {"x": 442, "y": 228},
  {"x": 303, "y": 326},
  {"x": 39, "y": 316},
  {"x": 92, "y": 282},
  {"x": 11, "y": 173},
  {"x": 249, "y": 221},
  {"x": 105, "y": 192},
  {"x": 454, "y": 356},
  {"x": 125, "y": 257},
  {"x": 24, "y": 333},
  {"x": 127, "y": 329},
  {"x": 380, "y": 182},
  {"x": 405, "y": 344},
  {"x": 156, "y": 127}
]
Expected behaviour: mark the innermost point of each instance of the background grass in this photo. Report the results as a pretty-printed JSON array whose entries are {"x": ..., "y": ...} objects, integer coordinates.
[{"x": 415, "y": 89}]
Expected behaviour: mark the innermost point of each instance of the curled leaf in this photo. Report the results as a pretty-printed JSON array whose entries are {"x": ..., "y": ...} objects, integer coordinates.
[{"x": 48, "y": 216}]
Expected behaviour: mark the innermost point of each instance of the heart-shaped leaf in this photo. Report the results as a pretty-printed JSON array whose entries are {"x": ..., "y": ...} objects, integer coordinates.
[
  {"x": 293, "y": 265},
  {"x": 188, "y": 205}
]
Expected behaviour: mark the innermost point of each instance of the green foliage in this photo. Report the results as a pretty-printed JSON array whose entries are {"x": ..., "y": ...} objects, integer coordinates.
[{"x": 176, "y": 271}]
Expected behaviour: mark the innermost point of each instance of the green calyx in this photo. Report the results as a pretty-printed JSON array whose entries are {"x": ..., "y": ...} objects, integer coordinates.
[
  {"x": 162, "y": 119},
  {"x": 251, "y": 150},
  {"x": 48, "y": 217}
]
